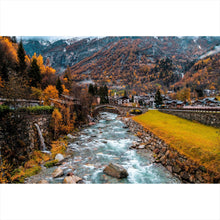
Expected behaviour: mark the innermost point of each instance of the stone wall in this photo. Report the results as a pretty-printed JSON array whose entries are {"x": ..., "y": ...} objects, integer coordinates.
[
  {"x": 207, "y": 118},
  {"x": 19, "y": 136},
  {"x": 187, "y": 170}
]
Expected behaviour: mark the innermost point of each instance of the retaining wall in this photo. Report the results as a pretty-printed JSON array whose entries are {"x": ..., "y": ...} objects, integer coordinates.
[
  {"x": 207, "y": 118},
  {"x": 19, "y": 136},
  {"x": 187, "y": 170}
]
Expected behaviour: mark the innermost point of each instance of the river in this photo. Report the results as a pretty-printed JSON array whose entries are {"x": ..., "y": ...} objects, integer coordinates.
[
  {"x": 105, "y": 142},
  {"x": 109, "y": 141}
]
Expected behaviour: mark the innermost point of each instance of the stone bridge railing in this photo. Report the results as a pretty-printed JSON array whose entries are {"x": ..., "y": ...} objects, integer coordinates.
[{"x": 118, "y": 109}]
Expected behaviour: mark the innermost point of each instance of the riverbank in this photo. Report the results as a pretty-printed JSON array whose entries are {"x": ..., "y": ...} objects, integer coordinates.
[
  {"x": 186, "y": 169},
  {"x": 109, "y": 141}
]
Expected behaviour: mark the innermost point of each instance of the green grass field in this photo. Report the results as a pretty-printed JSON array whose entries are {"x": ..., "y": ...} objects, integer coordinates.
[{"x": 199, "y": 142}]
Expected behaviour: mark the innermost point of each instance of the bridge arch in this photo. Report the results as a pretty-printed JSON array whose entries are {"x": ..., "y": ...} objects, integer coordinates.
[{"x": 106, "y": 108}]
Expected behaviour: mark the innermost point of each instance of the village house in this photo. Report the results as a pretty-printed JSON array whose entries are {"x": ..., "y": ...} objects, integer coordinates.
[
  {"x": 123, "y": 100},
  {"x": 173, "y": 104},
  {"x": 147, "y": 100},
  {"x": 210, "y": 101}
]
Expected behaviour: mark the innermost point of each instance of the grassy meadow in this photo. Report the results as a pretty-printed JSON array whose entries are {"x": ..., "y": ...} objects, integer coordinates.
[{"x": 199, "y": 142}]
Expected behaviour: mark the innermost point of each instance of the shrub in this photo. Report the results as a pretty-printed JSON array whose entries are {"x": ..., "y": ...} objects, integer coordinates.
[
  {"x": 135, "y": 112},
  {"x": 50, "y": 163},
  {"x": 58, "y": 147},
  {"x": 37, "y": 109},
  {"x": 22, "y": 173},
  {"x": 4, "y": 109}
]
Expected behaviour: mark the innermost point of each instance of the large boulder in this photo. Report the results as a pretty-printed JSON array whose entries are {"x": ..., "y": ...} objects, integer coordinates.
[
  {"x": 116, "y": 170},
  {"x": 57, "y": 173},
  {"x": 59, "y": 157},
  {"x": 43, "y": 182},
  {"x": 72, "y": 179}
]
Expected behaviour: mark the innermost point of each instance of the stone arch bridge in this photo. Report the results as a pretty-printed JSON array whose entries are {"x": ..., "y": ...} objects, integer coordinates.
[{"x": 117, "y": 109}]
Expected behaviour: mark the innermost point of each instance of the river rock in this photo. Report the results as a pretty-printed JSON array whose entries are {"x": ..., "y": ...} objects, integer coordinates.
[
  {"x": 72, "y": 179},
  {"x": 59, "y": 157},
  {"x": 142, "y": 146},
  {"x": 70, "y": 136},
  {"x": 116, "y": 170},
  {"x": 69, "y": 180},
  {"x": 57, "y": 173},
  {"x": 43, "y": 182}
]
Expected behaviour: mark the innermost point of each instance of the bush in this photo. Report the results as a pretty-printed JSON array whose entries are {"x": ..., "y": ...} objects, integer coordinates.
[
  {"x": 50, "y": 163},
  {"x": 37, "y": 109},
  {"x": 135, "y": 112},
  {"x": 22, "y": 173},
  {"x": 4, "y": 109}
]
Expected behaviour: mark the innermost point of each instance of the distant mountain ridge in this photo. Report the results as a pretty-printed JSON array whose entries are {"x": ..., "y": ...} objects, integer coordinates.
[{"x": 125, "y": 61}]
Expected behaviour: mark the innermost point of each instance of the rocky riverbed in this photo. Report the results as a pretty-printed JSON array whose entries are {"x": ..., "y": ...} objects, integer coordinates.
[{"x": 110, "y": 140}]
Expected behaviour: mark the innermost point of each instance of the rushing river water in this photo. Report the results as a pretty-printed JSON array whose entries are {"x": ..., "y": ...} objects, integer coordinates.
[{"x": 109, "y": 141}]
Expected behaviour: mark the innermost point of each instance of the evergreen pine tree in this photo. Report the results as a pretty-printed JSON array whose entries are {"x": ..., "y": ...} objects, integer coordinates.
[
  {"x": 101, "y": 94},
  {"x": 4, "y": 72},
  {"x": 59, "y": 86},
  {"x": 21, "y": 59},
  {"x": 91, "y": 90},
  {"x": 158, "y": 99},
  {"x": 34, "y": 74},
  {"x": 105, "y": 90},
  {"x": 95, "y": 89}
]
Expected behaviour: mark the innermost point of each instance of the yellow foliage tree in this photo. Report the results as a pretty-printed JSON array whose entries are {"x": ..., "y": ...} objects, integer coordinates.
[
  {"x": 57, "y": 122},
  {"x": 1, "y": 82},
  {"x": 11, "y": 48},
  {"x": 37, "y": 93},
  {"x": 50, "y": 93},
  {"x": 184, "y": 95},
  {"x": 65, "y": 90},
  {"x": 5, "y": 170},
  {"x": 27, "y": 60},
  {"x": 40, "y": 62}
]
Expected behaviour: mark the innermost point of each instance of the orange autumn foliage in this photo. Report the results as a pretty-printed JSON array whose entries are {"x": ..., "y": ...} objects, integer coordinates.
[
  {"x": 57, "y": 121},
  {"x": 50, "y": 93}
]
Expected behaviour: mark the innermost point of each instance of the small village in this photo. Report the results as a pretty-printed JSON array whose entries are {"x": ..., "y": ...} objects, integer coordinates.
[
  {"x": 148, "y": 101},
  {"x": 145, "y": 101}
]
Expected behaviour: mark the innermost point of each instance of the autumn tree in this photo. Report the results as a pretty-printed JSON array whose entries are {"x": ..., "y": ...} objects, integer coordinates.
[
  {"x": 48, "y": 77},
  {"x": 57, "y": 122},
  {"x": 40, "y": 62},
  {"x": 1, "y": 82},
  {"x": 8, "y": 57},
  {"x": 65, "y": 90},
  {"x": 37, "y": 93},
  {"x": 50, "y": 93},
  {"x": 34, "y": 74},
  {"x": 184, "y": 95},
  {"x": 15, "y": 88}
]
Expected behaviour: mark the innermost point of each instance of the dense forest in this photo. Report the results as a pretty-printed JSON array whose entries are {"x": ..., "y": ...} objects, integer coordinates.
[{"x": 138, "y": 64}]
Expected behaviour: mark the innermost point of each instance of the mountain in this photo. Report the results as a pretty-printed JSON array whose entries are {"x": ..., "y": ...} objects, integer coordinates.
[
  {"x": 137, "y": 63},
  {"x": 66, "y": 52},
  {"x": 204, "y": 74}
]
